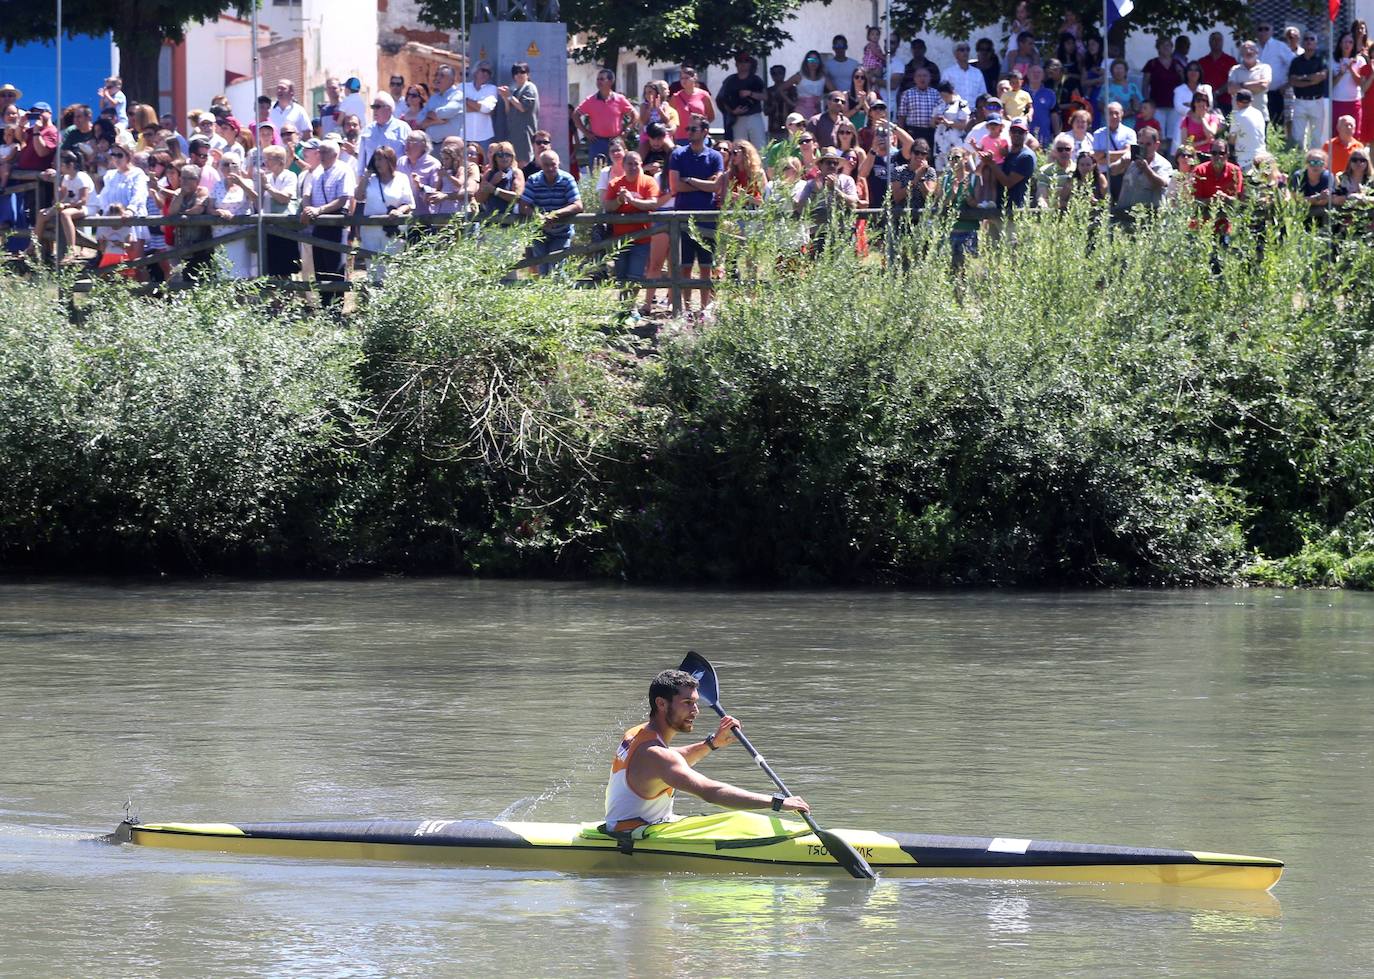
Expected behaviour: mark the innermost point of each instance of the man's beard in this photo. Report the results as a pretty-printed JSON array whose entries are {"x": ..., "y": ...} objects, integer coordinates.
[{"x": 682, "y": 725}]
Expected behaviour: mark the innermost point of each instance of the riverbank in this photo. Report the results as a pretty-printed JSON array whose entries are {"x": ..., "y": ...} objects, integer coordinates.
[{"x": 1144, "y": 411}]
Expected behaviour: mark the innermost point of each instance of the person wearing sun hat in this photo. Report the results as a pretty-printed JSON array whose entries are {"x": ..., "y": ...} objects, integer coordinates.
[{"x": 825, "y": 194}]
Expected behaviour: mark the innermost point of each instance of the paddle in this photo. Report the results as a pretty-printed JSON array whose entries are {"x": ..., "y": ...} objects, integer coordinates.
[{"x": 709, "y": 691}]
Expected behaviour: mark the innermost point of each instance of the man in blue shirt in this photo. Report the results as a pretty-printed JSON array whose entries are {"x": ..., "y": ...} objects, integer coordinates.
[
  {"x": 1013, "y": 177},
  {"x": 551, "y": 193},
  {"x": 1112, "y": 144},
  {"x": 694, "y": 179},
  {"x": 386, "y": 130},
  {"x": 1043, "y": 104}
]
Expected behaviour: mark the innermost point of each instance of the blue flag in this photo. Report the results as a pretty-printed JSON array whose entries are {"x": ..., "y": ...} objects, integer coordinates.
[{"x": 1116, "y": 9}]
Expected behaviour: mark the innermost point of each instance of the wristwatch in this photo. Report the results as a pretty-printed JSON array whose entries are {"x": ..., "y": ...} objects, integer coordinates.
[
  {"x": 710, "y": 742},
  {"x": 778, "y": 800}
]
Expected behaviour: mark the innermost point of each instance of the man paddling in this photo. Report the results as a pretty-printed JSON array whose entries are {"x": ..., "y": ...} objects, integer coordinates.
[{"x": 647, "y": 770}]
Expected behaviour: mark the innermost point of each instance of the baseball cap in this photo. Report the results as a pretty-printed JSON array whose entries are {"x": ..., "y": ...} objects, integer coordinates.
[
  {"x": 795, "y": 117},
  {"x": 40, "y": 107},
  {"x": 1019, "y": 124},
  {"x": 311, "y": 144},
  {"x": 353, "y": 84},
  {"x": 993, "y": 118}
]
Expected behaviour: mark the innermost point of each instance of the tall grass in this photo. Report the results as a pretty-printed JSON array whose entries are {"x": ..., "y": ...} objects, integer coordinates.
[{"x": 1077, "y": 405}]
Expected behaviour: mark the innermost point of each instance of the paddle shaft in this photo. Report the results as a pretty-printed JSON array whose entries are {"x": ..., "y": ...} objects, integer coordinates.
[{"x": 767, "y": 769}]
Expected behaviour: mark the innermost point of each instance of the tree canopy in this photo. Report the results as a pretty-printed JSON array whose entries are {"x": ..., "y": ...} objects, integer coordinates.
[
  {"x": 961, "y": 18},
  {"x": 140, "y": 28},
  {"x": 699, "y": 32}
]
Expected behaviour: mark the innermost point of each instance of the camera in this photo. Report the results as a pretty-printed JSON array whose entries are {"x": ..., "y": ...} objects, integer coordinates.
[
  {"x": 35, "y": 117},
  {"x": 1137, "y": 152}
]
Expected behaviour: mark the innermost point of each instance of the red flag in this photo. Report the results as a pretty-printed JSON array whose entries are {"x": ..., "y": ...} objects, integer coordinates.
[{"x": 1335, "y": 6}]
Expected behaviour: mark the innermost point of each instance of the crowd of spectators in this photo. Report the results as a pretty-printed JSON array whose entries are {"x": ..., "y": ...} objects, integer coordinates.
[{"x": 1032, "y": 121}]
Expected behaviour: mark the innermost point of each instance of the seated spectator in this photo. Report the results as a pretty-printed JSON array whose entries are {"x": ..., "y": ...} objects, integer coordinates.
[
  {"x": 127, "y": 186},
  {"x": 1355, "y": 185},
  {"x": 1339, "y": 147},
  {"x": 1112, "y": 144},
  {"x": 1044, "y": 106},
  {"x": 913, "y": 186},
  {"x": 1217, "y": 182},
  {"x": 459, "y": 179},
  {"x": 886, "y": 158},
  {"x": 75, "y": 192},
  {"x": 415, "y": 98},
  {"x": 1313, "y": 184},
  {"x": 1146, "y": 175},
  {"x": 383, "y": 192},
  {"x": 116, "y": 245},
  {"x": 1201, "y": 125},
  {"x": 1051, "y": 178},
  {"x": 552, "y": 195},
  {"x": 501, "y": 186},
  {"x": 952, "y": 118},
  {"x": 847, "y": 142},
  {"x": 745, "y": 180}
]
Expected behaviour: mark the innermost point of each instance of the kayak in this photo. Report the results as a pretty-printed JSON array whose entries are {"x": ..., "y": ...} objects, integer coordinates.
[{"x": 722, "y": 843}]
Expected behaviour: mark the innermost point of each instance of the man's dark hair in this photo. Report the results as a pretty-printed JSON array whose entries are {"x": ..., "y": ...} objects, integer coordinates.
[{"x": 668, "y": 685}]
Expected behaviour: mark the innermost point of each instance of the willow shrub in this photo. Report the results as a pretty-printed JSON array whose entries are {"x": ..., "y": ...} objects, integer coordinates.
[
  {"x": 1079, "y": 405},
  {"x": 194, "y": 433}
]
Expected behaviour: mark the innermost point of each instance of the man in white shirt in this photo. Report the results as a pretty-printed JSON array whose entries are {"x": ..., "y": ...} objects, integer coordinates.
[
  {"x": 968, "y": 81},
  {"x": 444, "y": 110},
  {"x": 386, "y": 130},
  {"x": 1247, "y": 129},
  {"x": 1278, "y": 53},
  {"x": 1254, "y": 75},
  {"x": 481, "y": 98},
  {"x": 287, "y": 109},
  {"x": 332, "y": 189}
]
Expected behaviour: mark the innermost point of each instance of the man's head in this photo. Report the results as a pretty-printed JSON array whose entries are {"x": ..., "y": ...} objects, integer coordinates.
[
  {"x": 1292, "y": 36},
  {"x": 1309, "y": 44},
  {"x": 331, "y": 88},
  {"x": 697, "y": 130},
  {"x": 198, "y": 152},
  {"x": 1113, "y": 115},
  {"x": 922, "y": 78},
  {"x": 9, "y": 95},
  {"x": 839, "y": 44},
  {"x": 397, "y": 85},
  {"x": 1219, "y": 148},
  {"x": 1061, "y": 151},
  {"x": 1017, "y": 135},
  {"x": 778, "y": 73},
  {"x": 745, "y": 64},
  {"x": 1249, "y": 53},
  {"x": 633, "y": 164},
  {"x": 542, "y": 140},
  {"x": 796, "y": 122},
  {"x": 350, "y": 125},
  {"x": 1148, "y": 138},
  {"x": 43, "y": 112},
  {"x": 329, "y": 152},
  {"x": 605, "y": 81},
  {"x": 673, "y": 699},
  {"x": 1025, "y": 42},
  {"x": 482, "y": 74},
  {"x": 918, "y": 49},
  {"x": 961, "y": 53},
  {"x": 443, "y": 78},
  {"x": 1244, "y": 98},
  {"x": 1345, "y": 128},
  {"x": 286, "y": 91},
  {"x": 1164, "y": 48},
  {"x": 548, "y": 164},
  {"x": 383, "y": 105},
  {"x": 836, "y": 103},
  {"x": 1036, "y": 77},
  {"x": 1215, "y": 42},
  {"x": 656, "y": 133}
]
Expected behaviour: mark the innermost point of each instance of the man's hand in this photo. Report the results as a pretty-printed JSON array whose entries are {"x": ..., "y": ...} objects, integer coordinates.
[
  {"x": 725, "y": 731},
  {"x": 795, "y": 803}
]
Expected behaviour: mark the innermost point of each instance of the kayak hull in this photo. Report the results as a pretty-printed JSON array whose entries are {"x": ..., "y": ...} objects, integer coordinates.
[{"x": 572, "y": 848}]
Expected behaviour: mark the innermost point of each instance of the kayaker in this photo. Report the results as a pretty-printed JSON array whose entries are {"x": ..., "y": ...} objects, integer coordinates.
[{"x": 647, "y": 770}]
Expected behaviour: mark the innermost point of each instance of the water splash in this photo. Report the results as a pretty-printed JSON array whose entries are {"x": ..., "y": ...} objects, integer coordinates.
[{"x": 593, "y": 761}]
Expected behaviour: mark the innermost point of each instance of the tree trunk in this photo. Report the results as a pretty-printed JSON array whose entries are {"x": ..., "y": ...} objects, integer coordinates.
[{"x": 140, "y": 47}]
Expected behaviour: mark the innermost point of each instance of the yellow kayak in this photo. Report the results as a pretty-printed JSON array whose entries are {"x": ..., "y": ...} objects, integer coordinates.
[{"x": 723, "y": 843}]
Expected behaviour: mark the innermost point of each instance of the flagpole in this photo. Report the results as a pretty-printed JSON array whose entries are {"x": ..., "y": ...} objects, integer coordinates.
[
  {"x": 60, "y": 250},
  {"x": 1328, "y": 129},
  {"x": 257, "y": 131}
]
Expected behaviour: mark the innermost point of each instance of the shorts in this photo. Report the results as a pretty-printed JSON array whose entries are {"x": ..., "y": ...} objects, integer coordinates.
[{"x": 697, "y": 252}]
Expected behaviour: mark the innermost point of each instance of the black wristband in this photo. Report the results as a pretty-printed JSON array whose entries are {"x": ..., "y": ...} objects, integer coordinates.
[
  {"x": 778, "y": 800},
  {"x": 710, "y": 742}
]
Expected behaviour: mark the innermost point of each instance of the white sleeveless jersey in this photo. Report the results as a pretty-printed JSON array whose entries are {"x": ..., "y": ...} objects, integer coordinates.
[{"x": 626, "y": 809}]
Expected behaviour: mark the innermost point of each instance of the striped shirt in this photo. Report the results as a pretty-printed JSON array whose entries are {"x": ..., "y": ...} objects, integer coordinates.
[
  {"x": 545, "y": 196},
  {"x": 329, "y": 185},
  {"x": 918, "y": 106}
]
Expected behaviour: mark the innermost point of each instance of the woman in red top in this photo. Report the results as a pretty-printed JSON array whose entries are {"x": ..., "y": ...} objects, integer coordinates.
[
  {"x": 745, "y": 181},
  {"x": 1201, "y": 124},
  {"x": 690, "y": 101}
]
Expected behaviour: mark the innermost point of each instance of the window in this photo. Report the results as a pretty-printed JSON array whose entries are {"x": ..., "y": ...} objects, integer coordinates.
[{"x": 632, "y": 83}]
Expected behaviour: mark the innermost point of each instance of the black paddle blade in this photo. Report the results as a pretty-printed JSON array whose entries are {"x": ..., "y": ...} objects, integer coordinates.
[
  {"x": 705, "y": 675},
  {"x": 846, "y": 856}
]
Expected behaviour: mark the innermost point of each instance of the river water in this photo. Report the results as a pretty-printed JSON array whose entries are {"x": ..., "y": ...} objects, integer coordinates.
[{"x": 1239, "y": 721}]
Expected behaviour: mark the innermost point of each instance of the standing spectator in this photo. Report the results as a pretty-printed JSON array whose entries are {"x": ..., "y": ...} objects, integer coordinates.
[
  {"x": 1308, "y": 75},
  {"x": 39, "y": 151},
  {"x": 1339, "y": 147},
  {"x": 917, "y": 109},
  {"x": 1068, "y": 55},
  {"x": 350, "y": 138},
  {"x": 329, "y": 108},
  {"x": 459, "y": 179},
  {"x": 1111, "y": 144},
  {"x": 1121, "y": 89},
  {"x": 1201, "y": 125},
  {"x": 421, "y": 169},
  {"x": 383, "y": 192},
  {"x": 1161, "y": 77},
  {"x": 918, "y": 59},
  {"x": 553, "y": 195},
  {"x": 605, "y": 114},
  {"x": 412, "y": 105},
  {"x": 169, "y": 123},
  {"x": 1254, "y": 75},
  {"x": 823, "y": 125},
  {"x": 1044, "y": 118},
  {"x": 693, "y": 179},
  {"x": 444, "y": 110},
  {"x": 1185, "y": 93},
  {"x": 1246, "y": 133},
  {"x": 781, "y": 99},
  {"x": 1347, "y": 69},
  {"x": 1145, "y": 178},
  {"x": 111, "y": 96},
  {"x": 235, "y": 197},
  {"x": 127, "y": 186},
  {"x": 839, "y": 67},
  {"x": 1020, "y": 24},
  {"x": 191, "y": 199},
  {"x": 689, "y": 100},
  {"x": 353, "y": 102},
  {"x": 951, "y": 122},
  {"x": 331, "y": 193},
  {"x": 481, "y": 98},
  {"x": 1278, "y": 53},
  {"x": 208, "y": 178},
  {"x": 811, "y": 85},
  {"x": 501, "y": 186},
  {"x": 290, "y": 141},
  {"x": 633, "y": 192},
  {"x": 960, "y": 191},
  {"x": 1024, "y": 55},
  {"x": 9, "y": 96},
  {"x": 517, "y": 117},
  {"x": 283, "y": 258},
  {"x": 1092, "y": 78},
  {"x": 878, "y": 173},
  {"x": 825, "y": 195},
  {"x": 967, "y": 80},
  {"x": 397, "y": 85},
  {"x": 1216, "y": 67},
  {"x": 286, "y": 109},
  {"x": 655, "y": 108},
  {"x": 1014, "y": 175},
  {"x": 741, "y": 100},
  {"x": 615, "y": 154},
  {"x": 386, "y": 130}
]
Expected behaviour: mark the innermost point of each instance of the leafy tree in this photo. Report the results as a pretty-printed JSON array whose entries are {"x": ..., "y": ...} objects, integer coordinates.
[
  {"x": 960, "y": 18},
  {"x": 140, "y": 27},
  {"x": 704, "y": 32}
]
